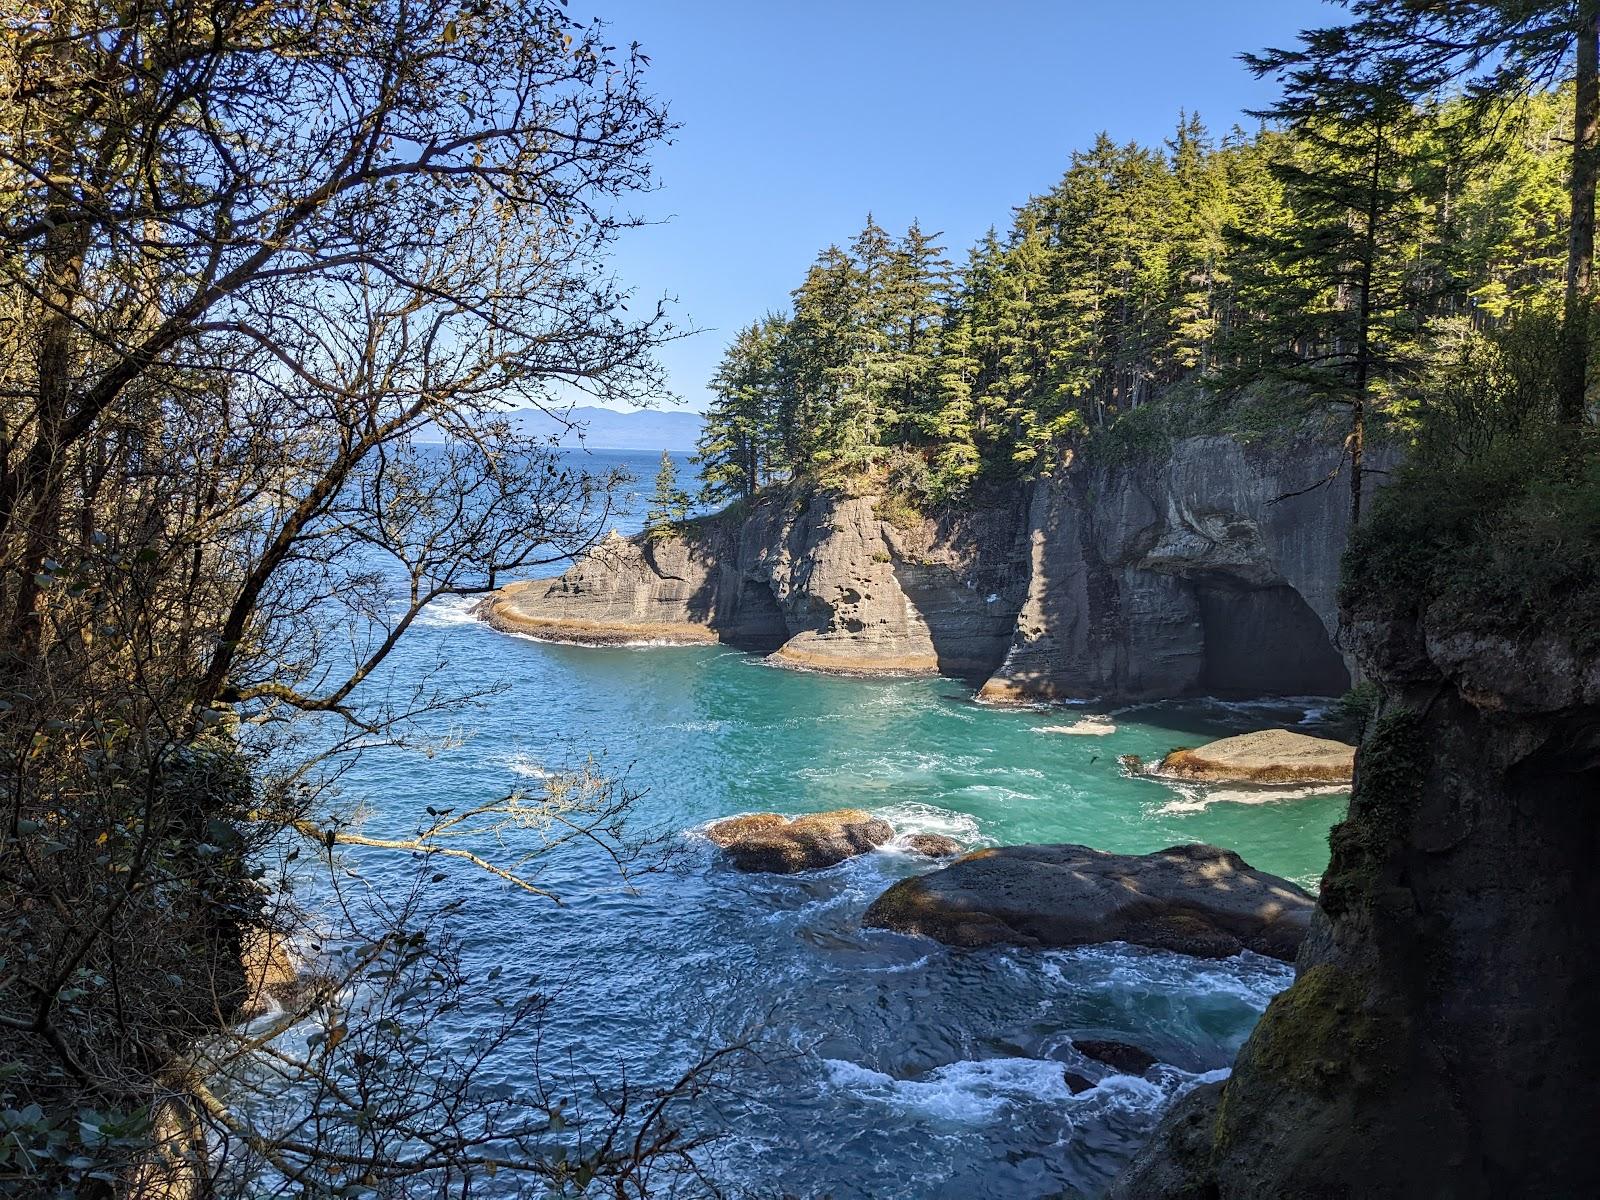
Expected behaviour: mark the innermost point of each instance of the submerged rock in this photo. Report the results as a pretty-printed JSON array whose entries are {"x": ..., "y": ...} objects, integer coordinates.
[
  {"x": 1088, "y": 727},
  {"x": 1268, "y": 756},
  {"x": 1076, "y": 1084},
  {"x": 1192, "y": 899},
  {"x": 1119, "y": 1056},
  {"x": 933, "y": 845},
  {"x": 769, "y": 842}
]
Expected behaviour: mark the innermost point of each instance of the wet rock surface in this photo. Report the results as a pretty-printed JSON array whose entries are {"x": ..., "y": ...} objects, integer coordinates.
[
  {"x": 933, "y": 845},
  {"x": 1195, "y": 900},
  {"x": 1119, "y": 1056}
]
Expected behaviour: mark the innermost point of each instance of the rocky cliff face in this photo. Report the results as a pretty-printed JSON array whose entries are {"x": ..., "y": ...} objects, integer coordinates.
[
  {"x": 814, "y": 578},
  {"x": 1197, "y": 573},
  {"x": 1440, "y": 1038}
]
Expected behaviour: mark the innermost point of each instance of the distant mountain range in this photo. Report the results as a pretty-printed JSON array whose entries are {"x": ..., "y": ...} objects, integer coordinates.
[{"x": 606, "y": 429}]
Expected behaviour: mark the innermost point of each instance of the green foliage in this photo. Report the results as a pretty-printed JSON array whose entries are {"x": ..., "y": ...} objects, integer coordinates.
[
  {"x": 669, "y": 503},
  {"x": 742, "y": 445},
  {"x": 1332, "y": 259},
  {"x": 908, "y": 489},
  {"x": 1349, "y": 715},
  {"x": 1493, "y": 524}
]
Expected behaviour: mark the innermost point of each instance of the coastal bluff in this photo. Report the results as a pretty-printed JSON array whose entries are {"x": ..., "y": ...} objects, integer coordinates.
[{"x": 1209, "y": 567}]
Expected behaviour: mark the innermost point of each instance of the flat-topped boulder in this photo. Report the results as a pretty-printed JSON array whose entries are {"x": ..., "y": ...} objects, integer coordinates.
[
  {"x": 1267, "y": 756},
  {"x": 1195, "y": 899},
  {"x": 774, "y": 843}
]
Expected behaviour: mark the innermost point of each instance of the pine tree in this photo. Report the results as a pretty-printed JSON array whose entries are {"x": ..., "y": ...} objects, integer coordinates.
[
  {"x": 669, "y": 503},
  {"x": 1491, "y": 49},
  {"x": 742, "y": 443}
]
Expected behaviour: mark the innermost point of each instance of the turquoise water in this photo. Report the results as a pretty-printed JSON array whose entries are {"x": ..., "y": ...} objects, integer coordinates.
[{"x": 890, "y": 1066}]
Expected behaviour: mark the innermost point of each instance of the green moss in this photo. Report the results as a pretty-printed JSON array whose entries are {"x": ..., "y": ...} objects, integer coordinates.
[
  {"x": 1309, "y": 1033},
  {"x": 900, "y": 510},
  {"x": 1389, "y": 777},
  {"x": 1327, "y": 1033}
]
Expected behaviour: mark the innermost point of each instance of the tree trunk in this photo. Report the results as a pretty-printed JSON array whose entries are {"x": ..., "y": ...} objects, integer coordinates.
[
  {"x": 1580, "y": 245},
  {"x": 1357, "y": 443},
  {"x": 37, "y": 513}
]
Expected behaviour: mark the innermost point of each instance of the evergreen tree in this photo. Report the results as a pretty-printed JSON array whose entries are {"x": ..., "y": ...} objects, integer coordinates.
[
  {"x": 956, "y": 421},
  {"x": 914, "y": 311},
  {"x": 1493, "y": 49},
  {"x": 669, "y": 503},
  {"x": 819, "y": 360},
  {"x": 1330, "y": 251},
  {"x": 742, "y": 443},
  {"x": 1339, "y": 314}
]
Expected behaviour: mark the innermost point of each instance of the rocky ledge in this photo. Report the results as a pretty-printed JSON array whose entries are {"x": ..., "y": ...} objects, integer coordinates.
[
  {"x": 1194, "y": 899},
  {"x": 1195, "y": 571},
  {"x": 1267, "y": 757}
]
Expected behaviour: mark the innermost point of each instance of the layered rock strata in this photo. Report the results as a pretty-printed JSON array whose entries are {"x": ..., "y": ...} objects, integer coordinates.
[{"x": 1209, "y": 570}]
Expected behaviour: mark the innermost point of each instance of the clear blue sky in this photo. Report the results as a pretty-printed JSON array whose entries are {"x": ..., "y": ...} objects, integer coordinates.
[{"x": 800, "y": 117}]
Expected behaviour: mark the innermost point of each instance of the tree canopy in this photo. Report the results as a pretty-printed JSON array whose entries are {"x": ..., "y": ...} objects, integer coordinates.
[{"x": 1325, "y": 256}]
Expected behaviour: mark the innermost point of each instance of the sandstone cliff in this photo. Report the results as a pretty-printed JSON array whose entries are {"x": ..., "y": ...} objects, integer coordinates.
[
  {"x": 1200, "y": 572},
  {"x": 1439, "y": 1039},
  {"x": 814, "y": 578}
]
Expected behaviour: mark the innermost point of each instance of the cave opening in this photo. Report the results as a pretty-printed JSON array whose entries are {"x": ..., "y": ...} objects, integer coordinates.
[
  {"x": 758, "y": 624},
  {"x": 1265, "y": 641}
]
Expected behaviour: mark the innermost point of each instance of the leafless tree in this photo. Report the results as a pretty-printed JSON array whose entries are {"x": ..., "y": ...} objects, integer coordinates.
[{"x": 250, "y": 252}]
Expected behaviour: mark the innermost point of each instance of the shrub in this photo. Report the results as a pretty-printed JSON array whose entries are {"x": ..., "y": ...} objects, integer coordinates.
[{"x": 1493, "y": 523}]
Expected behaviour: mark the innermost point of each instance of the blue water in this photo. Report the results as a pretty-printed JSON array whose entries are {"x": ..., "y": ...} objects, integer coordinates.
[{"x": 889, "y": 1066}]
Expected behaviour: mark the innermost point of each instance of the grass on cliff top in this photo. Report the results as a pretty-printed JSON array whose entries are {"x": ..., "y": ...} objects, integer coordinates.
[{"x": 1504, "y": 538}]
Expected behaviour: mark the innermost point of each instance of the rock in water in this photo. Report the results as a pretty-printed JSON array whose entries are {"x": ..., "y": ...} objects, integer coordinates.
[
  {"x": 726, "y": 833},
  {"x": 1119, "y": 1056},
  {"x": 1076, "y": 1084},
  {"x": 769, "y": 842},
  {"x": 933, "y": 845},
  {"x": 1270, "y": 756},
  {"x": 1192, "y": 899}
]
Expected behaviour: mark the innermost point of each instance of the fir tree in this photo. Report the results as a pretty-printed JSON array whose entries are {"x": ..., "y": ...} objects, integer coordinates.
[
  {"x": 742, "y": 443},
  {"x": 669, "y": 503},
  {"x": 1493, "y": 50},
  {"x": 1339, "y": 314}
]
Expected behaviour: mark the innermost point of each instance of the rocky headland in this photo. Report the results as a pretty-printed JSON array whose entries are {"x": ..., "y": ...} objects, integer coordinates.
[
  {"x": 1196, "y": 569},
  {"x": 1439, "y": 1037}
]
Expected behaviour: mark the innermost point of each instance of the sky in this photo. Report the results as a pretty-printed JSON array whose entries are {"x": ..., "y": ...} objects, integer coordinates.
[{"x": 799, "y": 118}]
